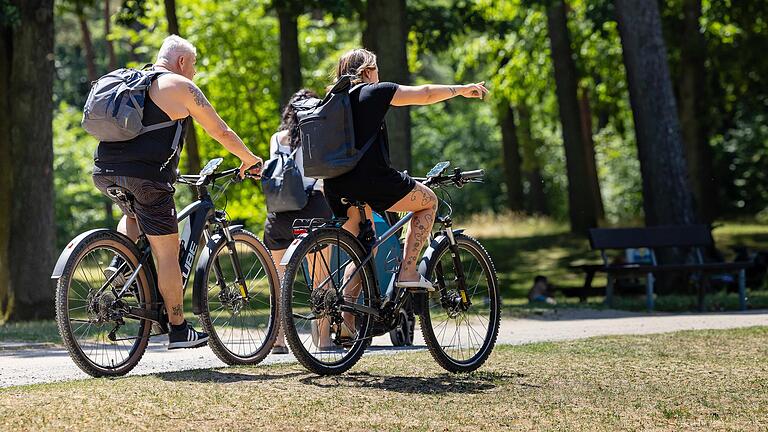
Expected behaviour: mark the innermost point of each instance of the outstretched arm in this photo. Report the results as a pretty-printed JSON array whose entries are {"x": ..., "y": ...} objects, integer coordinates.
[
  {"x": 202, "y": 111},
  {"x": 432, "y": 93}
]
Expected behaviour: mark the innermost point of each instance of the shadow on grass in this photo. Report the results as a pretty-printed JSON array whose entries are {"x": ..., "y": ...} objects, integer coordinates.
[
  {"x": 219, "y": 377},
  {"x": 474, "y": 383}
]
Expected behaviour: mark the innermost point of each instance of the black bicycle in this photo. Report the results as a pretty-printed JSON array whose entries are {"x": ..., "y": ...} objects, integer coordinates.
[
  {"x": 331, "y": 303},
  {"x": 106, "y": 322}
]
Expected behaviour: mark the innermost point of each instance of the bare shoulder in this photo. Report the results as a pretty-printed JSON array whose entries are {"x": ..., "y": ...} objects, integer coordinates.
[
  {"x": 181, "y": 89},
  {"x": 282, "y": 137}
]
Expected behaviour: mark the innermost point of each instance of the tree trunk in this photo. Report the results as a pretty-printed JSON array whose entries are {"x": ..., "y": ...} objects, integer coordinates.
[
  {"x": 109, "y": 218},
  {"x": 666, "y": 192},
  {"x": 90, "y": 54},
  {"x": 170, "y": 15},
  {"x": 537, "y": 198},
  {"x": 585, "y": 114},
  {"x": 110, "y": 45},
  {"x": 511, "y": 158},
  {"x": 386, "y": 33},
  {"x": 581, "y": 203},
  {"x": 693, "y": 113},
  {"x": 27, "y": 221},
  {"x": 190, "y": 137},
  {"x": 290, "y": 63}
]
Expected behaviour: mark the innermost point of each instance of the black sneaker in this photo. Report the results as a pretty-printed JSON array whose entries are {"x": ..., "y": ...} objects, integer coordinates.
[
  {"x": 186, "y": 338},
  {"x": 119, "y": 280}
]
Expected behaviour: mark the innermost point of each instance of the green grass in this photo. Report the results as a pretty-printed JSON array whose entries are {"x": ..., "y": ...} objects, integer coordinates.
[
  {"x": 30, "y": 331},
  {"x": 693, "y": 380}
]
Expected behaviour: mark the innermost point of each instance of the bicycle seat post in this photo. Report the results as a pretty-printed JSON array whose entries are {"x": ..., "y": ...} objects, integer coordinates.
[{"x": 367, "y": 234}]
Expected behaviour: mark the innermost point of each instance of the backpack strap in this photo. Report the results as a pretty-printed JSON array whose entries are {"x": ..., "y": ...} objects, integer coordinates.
[
  {"x": 161, "y": 125},
  {"x": 175, "y": 143},
  {"x": 357, "y": 86},
  {"x": 369, "y": 143}
]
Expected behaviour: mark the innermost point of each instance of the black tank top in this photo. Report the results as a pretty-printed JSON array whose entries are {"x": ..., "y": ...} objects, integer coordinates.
[{"x": 143, "y": 156}]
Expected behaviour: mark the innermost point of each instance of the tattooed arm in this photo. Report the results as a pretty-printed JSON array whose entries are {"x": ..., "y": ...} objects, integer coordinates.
[
  {"x": 202, "y": 111},
  {"x": 432, "y": 93}
]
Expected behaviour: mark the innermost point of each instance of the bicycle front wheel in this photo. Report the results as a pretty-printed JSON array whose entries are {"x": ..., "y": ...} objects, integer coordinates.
[
  {"x": 326, "y": 312},
  {"x": 460, "y": 339},
  {"x": 242, "y": 329}
]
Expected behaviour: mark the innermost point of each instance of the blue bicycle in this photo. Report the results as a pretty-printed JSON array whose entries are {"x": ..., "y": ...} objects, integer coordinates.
[{"x": 334, "y": 301}]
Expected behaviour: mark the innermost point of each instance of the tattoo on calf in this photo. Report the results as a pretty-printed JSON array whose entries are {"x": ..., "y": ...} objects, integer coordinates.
[
  {"x": 177, "y": 310},
  {"x": 199, "y": 97},
  {"x": 453, "y": 91}
]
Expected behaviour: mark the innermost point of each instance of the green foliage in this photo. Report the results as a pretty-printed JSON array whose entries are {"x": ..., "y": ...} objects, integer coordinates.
[
  {"x": 503, "y": 42},
  {"x": 79, "y": 205},
  {"x": 9, "y": 14}
]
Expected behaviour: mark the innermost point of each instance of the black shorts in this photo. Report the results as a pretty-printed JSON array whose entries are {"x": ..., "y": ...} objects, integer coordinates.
[
  {"x": 278, "y": 230},
  {"x": 379, "y": 190},
  {"x": 153, "y": 203}
]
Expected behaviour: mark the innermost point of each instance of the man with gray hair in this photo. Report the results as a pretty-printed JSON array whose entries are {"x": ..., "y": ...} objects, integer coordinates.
[{"x": 146, "y": 166}]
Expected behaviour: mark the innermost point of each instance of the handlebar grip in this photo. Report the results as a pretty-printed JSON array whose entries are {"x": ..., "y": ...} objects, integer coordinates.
[{"x": 473, "y": 174}]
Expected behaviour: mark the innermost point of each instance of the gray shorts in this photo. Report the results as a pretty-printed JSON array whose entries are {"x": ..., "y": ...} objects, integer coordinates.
[{"x": 153, "y": 204}]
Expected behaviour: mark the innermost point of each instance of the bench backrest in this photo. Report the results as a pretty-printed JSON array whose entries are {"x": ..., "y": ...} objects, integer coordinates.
[{"x": 668, "y": 236}]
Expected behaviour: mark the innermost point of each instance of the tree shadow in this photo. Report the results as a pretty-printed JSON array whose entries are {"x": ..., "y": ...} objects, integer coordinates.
[
  {"x": 473, "y": 383},
  {"x": 221, "y": 377}
]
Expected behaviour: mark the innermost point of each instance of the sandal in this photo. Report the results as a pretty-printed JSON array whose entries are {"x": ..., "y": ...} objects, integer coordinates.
[{"x": 419, "y": 285}]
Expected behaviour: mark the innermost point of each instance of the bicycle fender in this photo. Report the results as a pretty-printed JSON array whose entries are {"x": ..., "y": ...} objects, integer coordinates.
[
  {"x": 198, "y": 287},
  {"x": 58, "y": 269},
  {"x": 291, "y": 249},
  {"x": 434, "y": 244}
]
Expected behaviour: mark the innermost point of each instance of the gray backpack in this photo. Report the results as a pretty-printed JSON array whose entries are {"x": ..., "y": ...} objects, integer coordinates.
[
  {"x": 328, "y": 133},
  {"x": 115, "y": 106}
]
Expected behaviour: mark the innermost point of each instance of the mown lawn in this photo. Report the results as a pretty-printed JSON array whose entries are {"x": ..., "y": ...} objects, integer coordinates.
[{"x": 702, "y": 380}]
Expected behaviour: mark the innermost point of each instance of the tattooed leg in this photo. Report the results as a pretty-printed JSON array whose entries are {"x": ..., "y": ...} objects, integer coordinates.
[
  {"x": 423, "y": 202},
  {"x": 165, "y": 249}
]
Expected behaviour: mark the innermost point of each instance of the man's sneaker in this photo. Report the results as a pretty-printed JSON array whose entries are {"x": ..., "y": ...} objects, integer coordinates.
[
  {"x": 119, "y": 280},
  {"x": 186, "y": 338}
]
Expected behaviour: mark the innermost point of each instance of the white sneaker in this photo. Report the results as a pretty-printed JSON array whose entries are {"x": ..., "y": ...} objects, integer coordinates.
[{"x": 421, "y": 284}]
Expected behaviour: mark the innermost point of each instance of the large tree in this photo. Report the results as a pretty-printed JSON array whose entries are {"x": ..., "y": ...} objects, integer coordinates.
[
  {"x": 290, "y": 63},
  {"x": 582, "y": 206},
  {"x": 666, "y": 192},
  {"x": 511, "y": 156},
  {"x": 190, "y": 139},
  {"x": 693, "y": 111},
  {"x": 386, "y": 34},
  {"x": 27, "y": 228}
]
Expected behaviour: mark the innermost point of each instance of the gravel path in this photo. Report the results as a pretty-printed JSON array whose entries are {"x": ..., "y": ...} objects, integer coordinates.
[{"x": 22, "y": 364}]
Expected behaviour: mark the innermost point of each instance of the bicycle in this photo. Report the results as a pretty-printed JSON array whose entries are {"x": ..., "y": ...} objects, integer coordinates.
[
  {"x": 106, "y": 325},
  {"x": 459, "y": 319}
]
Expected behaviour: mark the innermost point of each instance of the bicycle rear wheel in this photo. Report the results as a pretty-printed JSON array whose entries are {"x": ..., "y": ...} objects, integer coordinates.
[
  {"x": 461, "y": 340},
  {"x": 101, "y": 340},
  {"x": 312, "y": 301},
  {"x": 241, "y": 331}
]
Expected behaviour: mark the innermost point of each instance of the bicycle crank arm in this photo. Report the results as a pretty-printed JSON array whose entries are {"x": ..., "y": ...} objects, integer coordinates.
[
  {"x": 360, "y": 309},
  {"x": 143, "y": 314}
]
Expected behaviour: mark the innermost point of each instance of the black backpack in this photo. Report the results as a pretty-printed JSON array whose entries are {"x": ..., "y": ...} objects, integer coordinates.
[{"x": 328, "y": 132}]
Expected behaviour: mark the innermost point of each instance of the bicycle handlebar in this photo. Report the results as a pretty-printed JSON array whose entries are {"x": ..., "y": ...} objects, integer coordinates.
[
  {"x": 198, "y": 180},
  {"x": 458, "y": 178}
]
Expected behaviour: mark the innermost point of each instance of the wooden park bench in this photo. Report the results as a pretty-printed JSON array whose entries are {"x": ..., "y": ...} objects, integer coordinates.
[{"x": 695, "y": 238}]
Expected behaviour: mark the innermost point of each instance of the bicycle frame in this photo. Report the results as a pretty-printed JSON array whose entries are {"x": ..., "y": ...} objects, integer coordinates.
[{"x": 201, "y": 214}]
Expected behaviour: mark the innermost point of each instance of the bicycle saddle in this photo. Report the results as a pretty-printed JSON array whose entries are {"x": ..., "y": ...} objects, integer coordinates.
[
  {"x": 353, "y": 203},
  {"x": 120, "y": 193}
]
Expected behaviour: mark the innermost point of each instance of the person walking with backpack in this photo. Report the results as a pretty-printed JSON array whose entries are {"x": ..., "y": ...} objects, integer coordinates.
[
  {"x": 373, "y": 180},
  {"x": 146, "y": 164},
  {"x": 285, "y": 151}
]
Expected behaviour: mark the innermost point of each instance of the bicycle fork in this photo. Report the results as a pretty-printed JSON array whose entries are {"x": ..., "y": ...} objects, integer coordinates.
[{"x": 461, "y": 281}]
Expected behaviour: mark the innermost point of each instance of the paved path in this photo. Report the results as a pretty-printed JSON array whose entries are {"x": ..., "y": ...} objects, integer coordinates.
[{"x": 30, "y": 364}]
